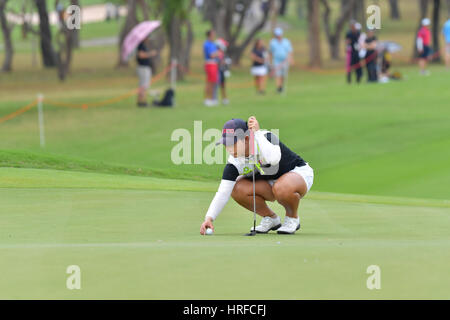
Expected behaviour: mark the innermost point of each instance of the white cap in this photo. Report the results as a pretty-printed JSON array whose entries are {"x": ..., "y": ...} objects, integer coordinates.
[
  {"x": 278, "y": 32},
  {"x": 358, "y": 26},
  {"x": 426, "y": 22}
]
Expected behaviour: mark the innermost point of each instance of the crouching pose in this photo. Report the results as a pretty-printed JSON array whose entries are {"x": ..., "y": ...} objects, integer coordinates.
[{"x": 280, "y": 175}]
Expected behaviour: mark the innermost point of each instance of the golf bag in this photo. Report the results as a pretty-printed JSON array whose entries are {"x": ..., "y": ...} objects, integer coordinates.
[{"x": 168, "y": 99}]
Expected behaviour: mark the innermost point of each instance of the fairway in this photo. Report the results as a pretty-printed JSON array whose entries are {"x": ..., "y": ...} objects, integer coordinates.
[
  {"x": 136, "y": 237},
  {"x": 103, "y": 191}
]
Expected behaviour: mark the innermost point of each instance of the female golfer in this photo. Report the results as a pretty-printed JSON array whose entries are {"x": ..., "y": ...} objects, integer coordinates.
[{"x": 280, "y": 175}]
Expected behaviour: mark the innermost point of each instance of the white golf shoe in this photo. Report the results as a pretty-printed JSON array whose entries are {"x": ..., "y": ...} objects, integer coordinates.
[
  {"x": 290, "y": 225},
  {"x": 267, "y": 224}
]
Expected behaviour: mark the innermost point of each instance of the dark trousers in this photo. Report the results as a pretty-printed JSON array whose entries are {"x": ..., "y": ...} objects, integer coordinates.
[
  {"x": 356, "y": 66},
  {"x": 372, "y": 71}
]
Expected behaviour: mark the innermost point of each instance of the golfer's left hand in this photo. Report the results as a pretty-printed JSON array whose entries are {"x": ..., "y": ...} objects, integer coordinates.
[{"x": 253, "y": 124}]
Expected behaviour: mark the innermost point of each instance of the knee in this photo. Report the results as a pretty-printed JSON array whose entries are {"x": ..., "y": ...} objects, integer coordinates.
[
  {"x": 281, "y": 191},
  {"x": 239, "y": 190}
]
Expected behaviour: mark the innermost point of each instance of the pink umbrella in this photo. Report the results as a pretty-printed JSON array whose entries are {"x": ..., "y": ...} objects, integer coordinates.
[{"x": 136, "y": 35}]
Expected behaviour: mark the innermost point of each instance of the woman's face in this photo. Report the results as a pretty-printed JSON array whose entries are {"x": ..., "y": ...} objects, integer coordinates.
[{"x": 239, "y": 149}]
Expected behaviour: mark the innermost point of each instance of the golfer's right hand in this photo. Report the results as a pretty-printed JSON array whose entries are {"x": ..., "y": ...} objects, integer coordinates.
[{"x": 206, "y": 224}]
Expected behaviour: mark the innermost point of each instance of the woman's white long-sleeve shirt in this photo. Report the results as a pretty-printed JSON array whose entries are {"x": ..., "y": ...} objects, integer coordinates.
[{"x": 267, "y": 155}]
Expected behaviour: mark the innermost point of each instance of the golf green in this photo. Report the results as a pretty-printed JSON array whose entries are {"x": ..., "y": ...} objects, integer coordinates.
[{"x": 138, "y": 237}]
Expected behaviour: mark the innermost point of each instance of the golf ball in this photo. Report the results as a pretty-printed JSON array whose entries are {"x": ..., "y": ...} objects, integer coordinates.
[{"x": 209, "y": 231}]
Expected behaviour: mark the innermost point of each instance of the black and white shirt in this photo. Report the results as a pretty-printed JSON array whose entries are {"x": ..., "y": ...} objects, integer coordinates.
[{"x": 272, "y": 158}]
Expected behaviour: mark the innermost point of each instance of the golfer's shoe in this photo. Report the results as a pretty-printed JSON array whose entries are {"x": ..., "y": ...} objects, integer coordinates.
[
  {"x": 267, "y": 224},
  {"x": 290, "y": 225}
]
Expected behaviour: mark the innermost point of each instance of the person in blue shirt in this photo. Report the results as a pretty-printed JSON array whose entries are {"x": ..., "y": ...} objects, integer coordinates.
[
  {"x": 446, "y": 32},
  {"x": 211, "y": 54},
  {"x": 280, "y": 53}
]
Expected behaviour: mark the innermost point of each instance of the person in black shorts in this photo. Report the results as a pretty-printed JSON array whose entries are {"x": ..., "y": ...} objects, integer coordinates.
[
  {"x": 353, "y": 61},
  {"x": 370, "y": 45},
  {"x": 144, "y": 70},
  {"x": 280, "y": 175}
]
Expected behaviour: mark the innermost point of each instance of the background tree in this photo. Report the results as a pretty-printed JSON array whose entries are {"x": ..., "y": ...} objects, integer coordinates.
[
  {"x": 179, "y": 33},
  {"x": 394, "y": 9},
  {"x": 227, "y": 12},
  {"x": 283, "y": 7},
  {"x": 436, "y": 30},
  {"x": 47, "y": 52},
  {"x": 6, "y": 31},
  {"x": 131, "y": 21},
  {"x": 358, "y": 11},
  {"x": 334, "y": 37},
  {"x": 65, "y": 45},
  {"x": 75, "y": 33},
  {"x": 315, "y": 59}
]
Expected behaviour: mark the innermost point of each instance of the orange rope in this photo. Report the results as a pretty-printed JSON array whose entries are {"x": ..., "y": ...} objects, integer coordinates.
[{"x": 18, "y": 112}]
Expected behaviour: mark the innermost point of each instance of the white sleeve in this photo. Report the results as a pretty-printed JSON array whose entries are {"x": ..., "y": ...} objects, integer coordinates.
[
  {"x": 419, "y": 43},
  {"x": 220, "y": 199},
  {"x": 270, "y": 153}
]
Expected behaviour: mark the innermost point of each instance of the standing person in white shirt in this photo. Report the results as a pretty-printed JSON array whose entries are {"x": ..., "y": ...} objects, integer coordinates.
[{"x": 281, "y": 175}]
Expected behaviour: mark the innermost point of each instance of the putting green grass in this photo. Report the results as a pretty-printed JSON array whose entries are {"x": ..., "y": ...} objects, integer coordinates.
[
  {"x": 104, "y": 193},
  {"x": 137, "y": 237}
]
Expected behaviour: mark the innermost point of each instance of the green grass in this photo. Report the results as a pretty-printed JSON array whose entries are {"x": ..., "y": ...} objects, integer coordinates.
[
  {"x": 134, "y": 237},
  {"x": 381, "y": 140},
  {"x": 104, "y": 194}
]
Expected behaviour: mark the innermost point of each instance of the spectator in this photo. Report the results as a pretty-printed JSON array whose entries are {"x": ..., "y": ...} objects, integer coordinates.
[
  {"x": 385, "y": 66},
  {"x": 352, "y": 51},
  {"x": 446, "y": 32},
  {"x": 211, "y": 54},
  {"x": 423, "y": 46},
  {"x": 259, "y": 66},
  {"x": 281, "y": 56},
  {"x": 144, "y": 70},
  {"x": 223, "y": 69},
  {"x": 370, "y": 46}
]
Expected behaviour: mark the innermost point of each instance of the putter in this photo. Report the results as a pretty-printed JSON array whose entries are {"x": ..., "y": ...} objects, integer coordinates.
[{"x": 253, "y": 231}]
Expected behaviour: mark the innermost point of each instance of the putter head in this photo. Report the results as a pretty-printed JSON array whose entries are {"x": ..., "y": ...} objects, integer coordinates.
[{"x": 251, "y": 233}]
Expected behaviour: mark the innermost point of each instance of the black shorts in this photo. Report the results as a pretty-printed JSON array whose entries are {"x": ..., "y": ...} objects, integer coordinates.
[
  {"x": 425, "y": 53},
  {"x": 221, "y": 77}
]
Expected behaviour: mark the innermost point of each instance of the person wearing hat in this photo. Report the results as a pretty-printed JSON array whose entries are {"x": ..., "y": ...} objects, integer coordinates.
[
  {"x": 144, "y": 62},
  {"x": 280, "y": 175},
  {"x": 223, "y": 70},
  {"x": 280, "y": 52},
  {"x": 210, "y": 52},
  {"x": 423, "y": 45},
  {"x": 352, "y": 51}
]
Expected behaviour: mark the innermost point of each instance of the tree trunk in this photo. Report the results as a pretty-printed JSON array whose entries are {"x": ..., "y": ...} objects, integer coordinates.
[
  {"x": 395, "y": 11},
  {"x": 358, "y": 11},
  {"x": 48, "y": 54},
  {"x": 130, "y": 22},
  {"x": 235, "y": 50},
  {"x": 315, "y": 59},
  {"x": 334, "y": 37},
  {"x": 6, "y": 30},
  {"x": 180, "y": 47},
  {"x": 76, "y": 32},
  {"x": 435, "y": 30},
  {"x": 283, "y": 7}
]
